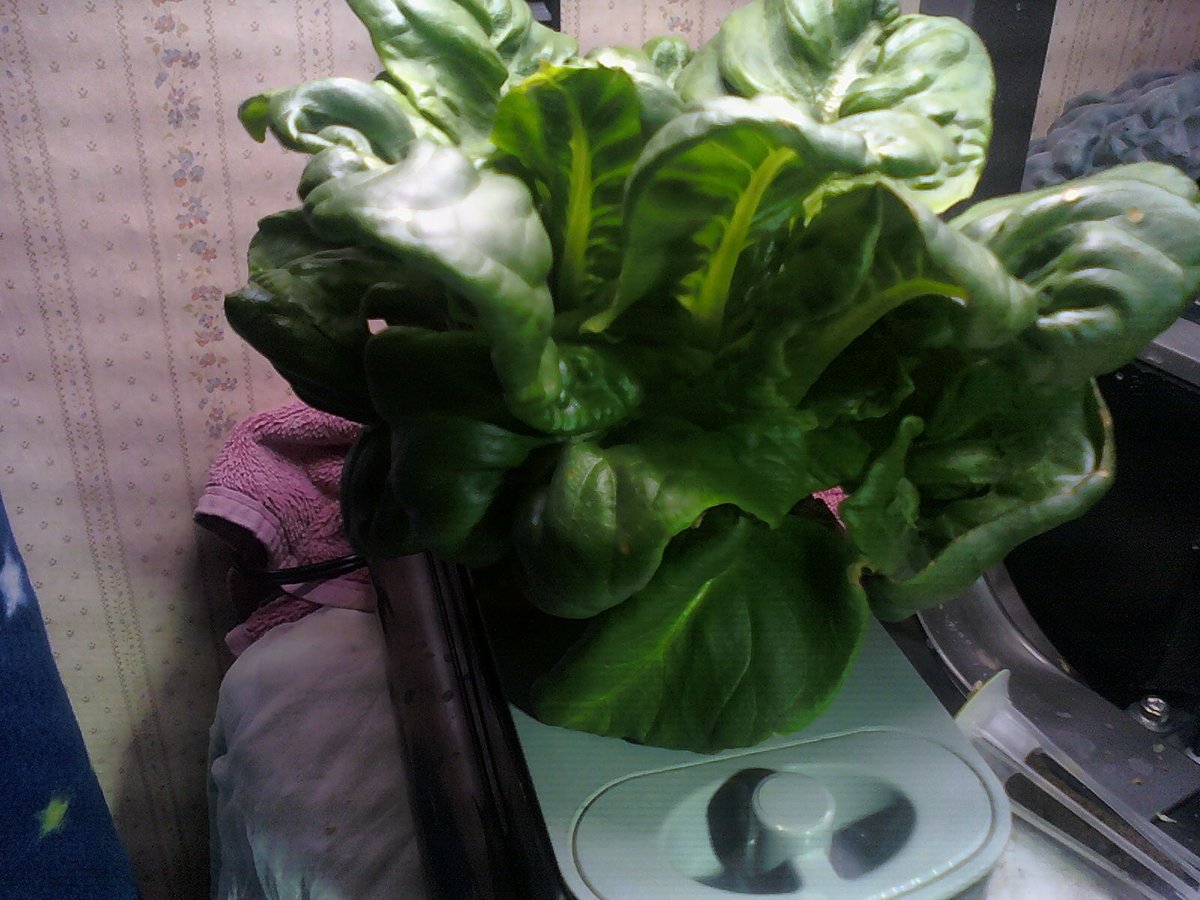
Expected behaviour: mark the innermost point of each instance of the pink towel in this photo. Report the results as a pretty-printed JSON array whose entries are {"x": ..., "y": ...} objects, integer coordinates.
[
  {"x": 278, "y": 479},
  {"x": 833, "y": 499}
]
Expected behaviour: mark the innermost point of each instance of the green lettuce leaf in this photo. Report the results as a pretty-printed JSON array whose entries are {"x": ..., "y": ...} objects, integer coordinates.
[
  {"x": 413, "y": 371},
  {"x": 867, "y": 255},
  {"x": 1110, "y": 256},
  {"x": 744, "y": 631},
  {"x": 575, "y": 133},
  {"x": 332, "y": 112},
  {"x": 477, "y": 232},
  {"x": 710, "y": 185},
  {"x": 451, "y": 59},
  {"x": 881, "y": 514},
  {"x": 375, "y": 519},
  {"x": 449, "y": 474},
  {"x": 917, "y": 89},
  {"x": 658, "y": 101},
  {"x": 437, "y": 483},
  {"x": 1043, "y": 464},
  {"x": 596, "y": 533},
  {"x": 301, "y": 309},
  {"x": 612, "y": 320}
]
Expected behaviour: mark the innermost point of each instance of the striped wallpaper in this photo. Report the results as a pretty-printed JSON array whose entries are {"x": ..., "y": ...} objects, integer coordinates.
[{"x": 130, "y": 192}]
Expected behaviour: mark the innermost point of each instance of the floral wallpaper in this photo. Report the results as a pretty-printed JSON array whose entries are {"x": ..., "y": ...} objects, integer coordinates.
[
  {"x": 130, "y": 192},
  {"x": 1096, "y": 44},
  {"x": 599, "y": 23}
]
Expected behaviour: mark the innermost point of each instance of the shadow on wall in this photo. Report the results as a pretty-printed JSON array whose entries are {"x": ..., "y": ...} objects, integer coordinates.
[
  {"x": 171, "y": 862},
  {"x": 161, "y": 811}
]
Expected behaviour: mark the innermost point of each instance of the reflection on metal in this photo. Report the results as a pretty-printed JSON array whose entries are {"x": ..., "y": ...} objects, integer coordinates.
[
  {"x": 1176, "y": 351},
  {"x": 1073, "y": 763},
  {"x": 1153, "y": 713}
]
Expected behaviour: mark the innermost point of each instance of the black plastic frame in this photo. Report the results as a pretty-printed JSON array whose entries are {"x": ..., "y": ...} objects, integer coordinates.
[
  {"x": 553, "y": 16},
  {"x": 475, "y": 812}
]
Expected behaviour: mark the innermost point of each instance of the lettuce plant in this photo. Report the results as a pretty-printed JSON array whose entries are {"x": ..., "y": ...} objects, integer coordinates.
[{"x": 613, "y": 318}]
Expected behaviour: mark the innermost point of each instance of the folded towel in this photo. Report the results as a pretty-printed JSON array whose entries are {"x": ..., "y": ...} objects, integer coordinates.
[{"x": 277, "y": 483}]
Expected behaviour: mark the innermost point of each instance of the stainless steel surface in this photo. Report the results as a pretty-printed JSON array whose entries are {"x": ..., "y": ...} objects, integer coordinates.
[
  {"x": 1083, "y": 762},
  {"x": 1176, "y": 351},
  {"x": 1153, "y": 713},
  {"x": 976, "y": 638}
]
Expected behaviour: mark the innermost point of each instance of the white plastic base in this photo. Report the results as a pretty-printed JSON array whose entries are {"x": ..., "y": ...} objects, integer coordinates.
[{"x": 629, "y": 821}]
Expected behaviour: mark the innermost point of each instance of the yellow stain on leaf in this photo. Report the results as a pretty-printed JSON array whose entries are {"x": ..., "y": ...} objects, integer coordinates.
[{"x": 54, "y": 817}]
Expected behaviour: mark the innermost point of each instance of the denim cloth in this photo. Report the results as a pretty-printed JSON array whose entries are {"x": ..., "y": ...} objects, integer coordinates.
[{"x": 57, "y": 838}]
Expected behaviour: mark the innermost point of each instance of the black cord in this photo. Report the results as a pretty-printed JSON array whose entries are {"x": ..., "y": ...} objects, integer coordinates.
[{"x": 318, "y": 571}]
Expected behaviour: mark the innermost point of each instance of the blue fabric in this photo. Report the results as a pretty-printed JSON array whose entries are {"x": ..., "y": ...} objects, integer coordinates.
[{"x": 57, "y": 838}]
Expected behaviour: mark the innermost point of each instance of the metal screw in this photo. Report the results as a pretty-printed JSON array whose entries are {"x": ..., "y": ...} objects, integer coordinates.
[
  {"x": 1156, "y": 708},
  {"x": 1154, "y": 713}
]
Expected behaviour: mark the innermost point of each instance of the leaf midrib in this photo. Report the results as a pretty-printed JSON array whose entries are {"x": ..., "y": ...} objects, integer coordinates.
[
  {"x": 634, "y": 675},
  {"x": 578, "y": 213},
  {"x": 708, "y": 306},
  {"x": 829, "y": 103}
]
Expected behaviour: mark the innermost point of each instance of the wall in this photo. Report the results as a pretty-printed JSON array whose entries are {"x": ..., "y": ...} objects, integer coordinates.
[
  {"x": 130, "y": 192},
  {"x": 1096, "y": 44},
  {"x": 600, "y": 23}
]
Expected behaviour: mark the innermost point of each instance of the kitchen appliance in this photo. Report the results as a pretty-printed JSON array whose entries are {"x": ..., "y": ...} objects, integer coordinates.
[{"x": 882, "y": 795}]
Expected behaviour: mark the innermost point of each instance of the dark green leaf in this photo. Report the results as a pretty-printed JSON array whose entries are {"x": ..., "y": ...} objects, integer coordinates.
[
  {"x": 576, "y": 134},
  {"x": 589, "y": 538},
  {"x": 478, "y": 233},
  {"x": 302, "y": 310},
  {"x": 417, "y": 371},
  {"x": 1113, "y": 258},
  {"x": 375, "y": 519},
  {"x": 597, "y": 533},
  {"x": 449, "y": 473},
  {"x": 917, "y": 89},
  {"x": 881, "y": 514},
  {"x": 869, "y": 253},
  {"x": 709, "y": 185},
  {"x": 744, "y": 632},
  {"x": 1042, "y": 465},
  {"x": 868, "y": 381}
]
